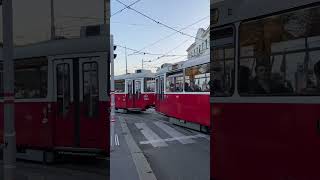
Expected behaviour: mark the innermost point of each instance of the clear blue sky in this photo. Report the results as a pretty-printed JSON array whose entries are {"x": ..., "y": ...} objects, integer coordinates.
[{"x": 135, "y": 31}]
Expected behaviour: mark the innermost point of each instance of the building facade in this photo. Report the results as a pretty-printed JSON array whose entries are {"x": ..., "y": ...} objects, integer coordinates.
[{"x": 201, "y": 46}]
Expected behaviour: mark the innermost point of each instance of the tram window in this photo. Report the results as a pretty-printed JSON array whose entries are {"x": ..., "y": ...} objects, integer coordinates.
[
  {"x": 197, "y": 78},
  {"x": 137, "y": 87},
  {"x": 31, "y": 78},
  {"x": 279, "y": 55},
  {"x": 130, "y": 87},
  {"x": 174, "y": 82},
  {"x": 63, "y": 88},
  {"x": 120, "y": 86},
  {"x": 91, "y": 89},
  {"x": 222, "y": 71},
  {"x": 149, "y": 85}
]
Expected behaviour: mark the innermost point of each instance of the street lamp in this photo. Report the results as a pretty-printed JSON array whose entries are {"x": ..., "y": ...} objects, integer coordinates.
[{"x": 9, "y": 151}]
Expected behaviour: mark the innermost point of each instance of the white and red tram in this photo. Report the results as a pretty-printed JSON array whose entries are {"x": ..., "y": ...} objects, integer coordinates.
[
  {"x": 183, "y": 92},
  {"x": 135, "y": 92},
  {"x": 61, "y": 96},
  {"x": 265, "y": 58}
]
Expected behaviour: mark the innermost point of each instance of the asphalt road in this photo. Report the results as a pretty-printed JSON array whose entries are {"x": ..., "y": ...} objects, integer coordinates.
[
  {"x": 173, "y": 152},
  {"x": 68, "y": 168}
]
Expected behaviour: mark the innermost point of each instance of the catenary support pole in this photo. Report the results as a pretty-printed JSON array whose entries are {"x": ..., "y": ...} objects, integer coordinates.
[{"x": 9, "y": 151}]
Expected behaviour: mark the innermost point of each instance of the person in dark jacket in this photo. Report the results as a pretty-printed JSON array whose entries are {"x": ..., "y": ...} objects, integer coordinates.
[{"x": 263, "y": 84}]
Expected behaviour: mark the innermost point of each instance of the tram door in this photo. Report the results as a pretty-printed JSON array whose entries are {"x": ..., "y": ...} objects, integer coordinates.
[
  {"x": 161, "y": 92},
  {"x": 65, "y": 108},
  {"x": 157, "y": 93},
  {"x": 137, "y": 94},
  {"x": 76, "y": 86},
  {"x": 130, "y": 99}
]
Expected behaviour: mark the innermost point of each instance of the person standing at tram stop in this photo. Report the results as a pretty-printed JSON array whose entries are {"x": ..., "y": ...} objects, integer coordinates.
[{"x": 262, "y": 82}]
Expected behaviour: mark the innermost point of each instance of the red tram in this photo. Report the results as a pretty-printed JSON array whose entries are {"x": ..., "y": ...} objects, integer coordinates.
[
  {"x": 61, "y": 97},
  {"x": 135, "y": 92},
  {"x": 265, "y": 95},
  {"x": 182, "y": 92}
]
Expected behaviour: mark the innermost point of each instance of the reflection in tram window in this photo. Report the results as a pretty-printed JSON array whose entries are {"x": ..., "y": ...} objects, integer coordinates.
[
  {"x": 90, "y": 89},
  {"x": 222, "y": 69},
  {"x": 281, "y": 54},
  {"x": 137, "y": 87},
  {"x": 63, "y": 88},
  {"x": 119, "y": 86},
  {"x": 149, "y": 85},
  {"x": 197, "y": 78},
  {"x": 31, "y": 78},
  {"x": 174, "y": 82}
]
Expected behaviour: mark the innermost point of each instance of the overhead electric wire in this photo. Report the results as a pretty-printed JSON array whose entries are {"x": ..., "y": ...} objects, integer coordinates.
[
  {"x": 153, "y": 54},
  {"x": 158, "y": 22},
  {"x": 125, "y": 8},
  {"x": 166, "y": 37},
  {"x": 171, "y": 50}
]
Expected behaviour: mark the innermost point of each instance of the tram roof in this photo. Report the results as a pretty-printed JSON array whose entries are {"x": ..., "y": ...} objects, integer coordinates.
[
  {"x": 135, "y": 75},
  {"x": 61, "y": 47},
  {"x": 247, "y": 9},
  {"x": 185, "y": 64},
  {"x": 196, "y": 61}
]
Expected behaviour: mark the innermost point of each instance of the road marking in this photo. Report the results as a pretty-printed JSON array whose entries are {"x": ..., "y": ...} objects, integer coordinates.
[
  {"x": 174, "y": 139},
  {"x": 116, "y": 140},
  {"x": 151, "y": 136},
  {"x": 174, "y": 133},
  {"x": 143, "y": 167}
]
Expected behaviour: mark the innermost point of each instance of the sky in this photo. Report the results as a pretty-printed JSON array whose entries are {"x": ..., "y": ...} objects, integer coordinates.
[{"x": 134, "y": 31}]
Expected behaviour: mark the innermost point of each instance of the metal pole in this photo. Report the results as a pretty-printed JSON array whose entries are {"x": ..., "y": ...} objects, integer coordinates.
[
  {"x": 125, "y": 48},
  {"x": 112, "y": 114},
  {"x": 9, "y": 152},
  {"x": 142, "y": 63},
  {"x": 53, "y": 29},
  {"x": 105, "y": 4}
]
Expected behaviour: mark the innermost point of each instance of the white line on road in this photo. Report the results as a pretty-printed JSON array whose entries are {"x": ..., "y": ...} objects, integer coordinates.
[
  {"x": 116, "y": 140},
  {"x": 173, "y": 133},
  {"x": 174, "y": 139},
  {"x": 151, "y": 136}
]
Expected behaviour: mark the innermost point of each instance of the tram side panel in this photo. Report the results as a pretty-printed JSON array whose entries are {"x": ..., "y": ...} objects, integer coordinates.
[
  {"x": 194, "y": 108},
  {"x": 120, "y": 101},
  {"x": 33, "y": 129}
]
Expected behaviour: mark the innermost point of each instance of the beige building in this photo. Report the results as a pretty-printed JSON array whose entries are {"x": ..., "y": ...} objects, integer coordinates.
[{"x": 201, "y": 46}]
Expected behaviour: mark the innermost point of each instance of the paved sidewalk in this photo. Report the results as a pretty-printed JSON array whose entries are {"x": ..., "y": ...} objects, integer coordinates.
[{"x": 121, "y": 161}]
